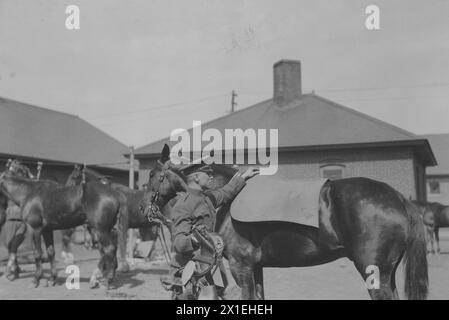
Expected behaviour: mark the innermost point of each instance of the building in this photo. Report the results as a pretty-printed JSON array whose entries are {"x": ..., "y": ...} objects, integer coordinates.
[
  {"x": 320, "y": 138},
  {"x": 438, "y": 176},
  {"x": 59, "y": 140}
]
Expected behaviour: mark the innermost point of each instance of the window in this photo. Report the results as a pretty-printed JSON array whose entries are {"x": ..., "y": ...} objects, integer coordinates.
[
  {"x": 332, "y": 171},
  {"x": 434, "y": 187}
]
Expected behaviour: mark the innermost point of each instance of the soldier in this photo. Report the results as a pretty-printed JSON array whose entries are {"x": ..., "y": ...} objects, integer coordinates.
[
  {"x": 15, "y": 229},
  {"x": 196, "y": 208}
]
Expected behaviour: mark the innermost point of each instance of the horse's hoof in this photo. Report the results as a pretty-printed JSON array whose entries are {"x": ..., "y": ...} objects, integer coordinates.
[
  {"x": 51, "y": 282},
  {"x": 123, "y": 268},
  {"x": 11, "y": 276},
  {"x": 105, "y": 287},
  {"x": 94, "y": 284},
  {"x": 35, "y": 283}
]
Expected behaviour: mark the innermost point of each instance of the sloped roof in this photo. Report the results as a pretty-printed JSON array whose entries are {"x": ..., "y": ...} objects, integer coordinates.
[
  {"x": 440, "y": 146},
  {"x": 309, "y": 121},
  {"x": 34, "y": 132}
]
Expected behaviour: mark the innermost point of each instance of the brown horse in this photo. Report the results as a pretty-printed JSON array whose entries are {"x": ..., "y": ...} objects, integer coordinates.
[
  {"x": 135, "y": 219},
  {"x": 362, "y": 219},
  {"x": 436, "y": 217},
  {"x": 48, "y": 206}
]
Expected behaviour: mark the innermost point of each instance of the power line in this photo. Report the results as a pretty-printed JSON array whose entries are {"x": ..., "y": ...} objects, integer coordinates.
[
  {"x": 233, "y": 104},
  {"x": 167, "y": 106},
  {"x": 424, "y": 85},
  {"x": 396, "y": 98},
  {"x": 428, "y": 85}
]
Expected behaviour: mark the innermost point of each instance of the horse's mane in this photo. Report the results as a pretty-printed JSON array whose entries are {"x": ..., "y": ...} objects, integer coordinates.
[
  {"x": 29, "y": 181},
  {"x": 172, "y": 167},
  {"x": 88, "y": 171},
  {"x": 93, "y": 173}
]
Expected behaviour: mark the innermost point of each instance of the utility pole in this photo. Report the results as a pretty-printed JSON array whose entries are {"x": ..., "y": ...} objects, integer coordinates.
[
  {"x": 233, "y": 103},
  {"x": 131, "y": 167},
  {"x": 131, "y": 234}
]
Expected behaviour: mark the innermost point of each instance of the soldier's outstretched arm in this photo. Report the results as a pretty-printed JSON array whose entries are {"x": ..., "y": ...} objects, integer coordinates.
[{"x": 228, "y": 192}]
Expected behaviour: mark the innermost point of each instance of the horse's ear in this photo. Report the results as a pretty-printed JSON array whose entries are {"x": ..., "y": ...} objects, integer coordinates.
[{"x": 165, "y": 154}]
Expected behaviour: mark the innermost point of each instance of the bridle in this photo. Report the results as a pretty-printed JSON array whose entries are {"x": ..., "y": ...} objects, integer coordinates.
[{"x": 155, "y": 215}]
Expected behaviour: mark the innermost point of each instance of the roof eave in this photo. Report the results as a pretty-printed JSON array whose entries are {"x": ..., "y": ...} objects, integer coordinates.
[{"x": 422, "y": 148}]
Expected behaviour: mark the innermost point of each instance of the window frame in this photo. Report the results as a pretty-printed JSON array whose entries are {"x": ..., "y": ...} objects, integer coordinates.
[
  {"x": 332, "y": 166},
  {"x": 429, "y": 188}
]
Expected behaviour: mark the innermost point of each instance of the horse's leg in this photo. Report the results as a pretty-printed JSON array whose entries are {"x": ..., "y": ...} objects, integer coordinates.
[
  {"x": 18, "y": 230},
  {"x": 2, "y": 217},
  {"x": 122, "y": 230},
  {"x": 37, "y": 255},
  {"x": 432, "y": 239},
  {"x": 108, "y": 261},
  {"x": 437, "y": 238},
  {"x": 94, "y": 282},
  {"x": 244, "y": 277},
  {"x": 377, "y": 263},
  {"x": 427, "y": 237},
  {"x": 66, "y": 253},
  {"x": 258, "y": 279},
  {"x": 384, "y": 289},
  {"x": 49, "y": 244}
]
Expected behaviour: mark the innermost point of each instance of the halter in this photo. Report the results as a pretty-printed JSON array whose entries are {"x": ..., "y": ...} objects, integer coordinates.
[{"x": 155, "y": 214}]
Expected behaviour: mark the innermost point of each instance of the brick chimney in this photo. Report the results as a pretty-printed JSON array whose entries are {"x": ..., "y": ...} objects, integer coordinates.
[{"x": 287, "y": 81}]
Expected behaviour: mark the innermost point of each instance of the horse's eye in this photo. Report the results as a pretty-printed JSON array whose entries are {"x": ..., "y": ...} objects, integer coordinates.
[{"x": 151, "y": 174}]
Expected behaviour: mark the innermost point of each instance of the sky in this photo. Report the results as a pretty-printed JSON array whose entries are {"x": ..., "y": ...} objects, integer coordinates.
[{"x": 138, "y": 69}]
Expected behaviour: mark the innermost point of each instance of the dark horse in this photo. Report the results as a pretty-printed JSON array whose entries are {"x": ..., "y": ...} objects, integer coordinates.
[
  {"x": 362, "y": 219},
  {"x": 135, "y": 218},
  {"x": 48, "y": 206},
  {"x": 436, "y": 216}
]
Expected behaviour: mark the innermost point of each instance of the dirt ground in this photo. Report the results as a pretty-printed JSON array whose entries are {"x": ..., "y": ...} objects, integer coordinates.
[{"x": 336, "y": 280}]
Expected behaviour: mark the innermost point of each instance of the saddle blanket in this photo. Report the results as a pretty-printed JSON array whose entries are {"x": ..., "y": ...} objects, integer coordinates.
[{"x": 266, "y": 198}]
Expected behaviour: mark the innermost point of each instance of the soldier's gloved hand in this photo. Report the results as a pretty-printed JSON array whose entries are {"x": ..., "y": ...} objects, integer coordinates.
[{"x": 251, "y": 172}]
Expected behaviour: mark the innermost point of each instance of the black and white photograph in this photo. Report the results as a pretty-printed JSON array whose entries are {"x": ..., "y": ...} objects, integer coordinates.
[{"x": 224, "y": 150}]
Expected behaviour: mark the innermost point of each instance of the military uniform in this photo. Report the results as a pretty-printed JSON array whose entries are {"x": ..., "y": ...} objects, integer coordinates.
[
  {"x": 195, "y": 208},
  {"x": 14, "y": 228}
]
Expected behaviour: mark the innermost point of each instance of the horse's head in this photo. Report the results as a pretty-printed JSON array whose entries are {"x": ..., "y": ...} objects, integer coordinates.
[
  {"x": 18, "y": 169},
  {"x": 75, "y": 177},
  {"x": 164, "y": 181}
]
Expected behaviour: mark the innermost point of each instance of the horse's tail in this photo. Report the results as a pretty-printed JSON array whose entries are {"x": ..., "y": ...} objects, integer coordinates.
[
  {"x": 122, "y": 229},
  {"x": 415, "y": 259}
]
